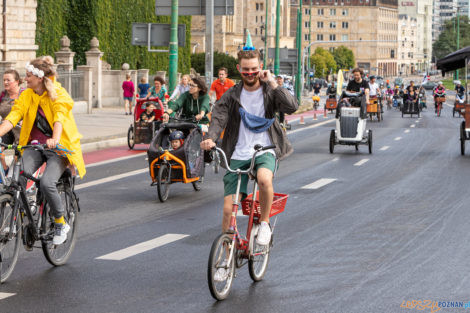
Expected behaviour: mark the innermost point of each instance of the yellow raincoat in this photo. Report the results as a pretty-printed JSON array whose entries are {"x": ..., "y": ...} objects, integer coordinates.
[{"x": 60, "y": 110}]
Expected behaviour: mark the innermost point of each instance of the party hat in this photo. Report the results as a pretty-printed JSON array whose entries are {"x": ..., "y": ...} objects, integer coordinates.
[{"x": 248, "y": 44}]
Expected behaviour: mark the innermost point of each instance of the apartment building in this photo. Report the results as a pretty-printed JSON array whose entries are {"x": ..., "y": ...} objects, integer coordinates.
[
  {"x": 249, "y": 14},
  {"x": 368, "y": 27},
  {"x": 407, "y": 45},
  {"x": 443, "y": 11}
]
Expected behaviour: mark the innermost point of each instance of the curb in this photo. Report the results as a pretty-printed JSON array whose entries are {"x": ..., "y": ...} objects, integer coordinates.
[{"x": 99, "y": 145}]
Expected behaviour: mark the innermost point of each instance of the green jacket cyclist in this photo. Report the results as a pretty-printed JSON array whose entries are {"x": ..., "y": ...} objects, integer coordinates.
[{"x": 193, "y": 103}]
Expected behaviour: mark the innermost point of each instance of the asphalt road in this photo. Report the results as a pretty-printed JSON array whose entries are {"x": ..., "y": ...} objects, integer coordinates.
[{"x": 389, "y": 227}]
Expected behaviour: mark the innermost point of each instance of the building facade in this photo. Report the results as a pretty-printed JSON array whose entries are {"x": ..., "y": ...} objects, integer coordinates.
[
  {"x": 422, "y": 11},
  {"x": 443, "y": 11},
  {"x": 368, "y": 27},
  {"x": 248, "y": 15},
  {"x": 407, "y": 45},
  {"x": 20, "y": 33}
]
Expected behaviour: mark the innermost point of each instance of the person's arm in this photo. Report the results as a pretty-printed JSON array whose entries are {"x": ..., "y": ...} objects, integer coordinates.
[
  {"x": 175, "y": 93},
  {"x": 205, "y": 107},
  {"x": 174, "y": 106},
  {"x": 152, "y": 118},
  {"x": 61, "y": 107}
]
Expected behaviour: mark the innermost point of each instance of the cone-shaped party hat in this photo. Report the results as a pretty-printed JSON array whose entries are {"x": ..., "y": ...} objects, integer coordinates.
[{"x": 248, "y": 44}]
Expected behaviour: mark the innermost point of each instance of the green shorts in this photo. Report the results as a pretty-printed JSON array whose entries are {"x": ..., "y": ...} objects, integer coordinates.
[{"x": 266, "y": 160}]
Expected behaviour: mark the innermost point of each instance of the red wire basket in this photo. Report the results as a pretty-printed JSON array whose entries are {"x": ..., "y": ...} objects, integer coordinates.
[{"x": 279, "y": 203}]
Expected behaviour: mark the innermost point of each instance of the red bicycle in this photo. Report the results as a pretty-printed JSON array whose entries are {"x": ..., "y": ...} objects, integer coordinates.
[
  {"x": 232, "y": 250},
  {"x": 440, "y": 100}
]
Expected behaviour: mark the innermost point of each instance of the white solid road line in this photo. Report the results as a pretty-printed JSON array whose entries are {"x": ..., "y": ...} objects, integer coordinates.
[
  {"x": 397, "y": 138},
  {"x": 110, "y": 178},
  {"x": 4, "y": 295},
  {"x": 407, "y": 131},
  {"x": 319, "y": 183},
  {"x": 311, "y": 126},
  {"x": 384, "y": 148},
  {"x": 115, "y": 160},
  {"x": 361, "y": 162},
  {"x": 142, "y": 247}
]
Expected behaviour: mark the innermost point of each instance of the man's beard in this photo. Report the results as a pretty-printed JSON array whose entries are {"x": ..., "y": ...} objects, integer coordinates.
[{"x": 250, "y": 83}]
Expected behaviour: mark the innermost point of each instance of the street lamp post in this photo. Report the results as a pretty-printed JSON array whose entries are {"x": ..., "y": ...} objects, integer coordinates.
[
  {"x": 278, "y": 30},
  {"x": 265, "y": 61}
]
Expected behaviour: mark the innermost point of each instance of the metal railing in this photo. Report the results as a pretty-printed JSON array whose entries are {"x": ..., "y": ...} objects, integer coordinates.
[{"x": 74, "y": 83}]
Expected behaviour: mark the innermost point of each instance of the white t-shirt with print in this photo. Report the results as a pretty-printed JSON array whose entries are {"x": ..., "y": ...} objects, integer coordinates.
[
  {"x": 373, "y": 89},
  {"x": 253, "y": 103}
]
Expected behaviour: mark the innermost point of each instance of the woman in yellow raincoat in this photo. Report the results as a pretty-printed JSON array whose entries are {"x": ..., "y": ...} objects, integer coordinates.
[{"x": 46, "y": 110}]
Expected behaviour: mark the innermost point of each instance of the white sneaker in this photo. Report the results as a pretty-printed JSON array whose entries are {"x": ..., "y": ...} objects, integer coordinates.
[
  {"x": 264, "y": 234},
  {"x": 222, "y": 273},
  {"x": 60, "y": 233}
]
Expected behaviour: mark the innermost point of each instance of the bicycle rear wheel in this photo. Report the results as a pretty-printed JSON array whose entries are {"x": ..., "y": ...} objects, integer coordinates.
[
  {"x": 219, "y": 252},
  {"x": 59, "y": 255},
  {"x": 258, "y": 262},
  {"x": 9, "y": 249}
]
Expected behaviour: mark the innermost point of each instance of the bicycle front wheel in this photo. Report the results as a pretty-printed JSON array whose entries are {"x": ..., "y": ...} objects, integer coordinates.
[
  {"x": 163, "y": 185},
  {"x": 258, "y": 262},
  {"x": 9, "y": 248},
  {"x": 59, "y": 254},
  {"x": 221, "y": 269}
]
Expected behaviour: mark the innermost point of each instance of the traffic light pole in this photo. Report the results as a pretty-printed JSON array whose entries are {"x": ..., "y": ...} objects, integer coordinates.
[
  {"x": 265, "y": 59},
  {"x": 278, "y": 30},
  {"x": 299, "y": 76},
  {"x": 173, "y": 64},
  {"x": 209, "y": 42}
]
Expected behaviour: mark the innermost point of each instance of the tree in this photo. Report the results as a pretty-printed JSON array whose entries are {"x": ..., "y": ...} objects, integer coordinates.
[
  {"x": 344, "y": 57},
  {"x": 323, "y": 61},
  {"x": 198, "y": 62},
  {"x": 447, "y": 41}
]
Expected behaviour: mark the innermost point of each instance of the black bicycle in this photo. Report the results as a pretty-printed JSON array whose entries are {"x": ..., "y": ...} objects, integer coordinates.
[{"x": 26, "y": 217}]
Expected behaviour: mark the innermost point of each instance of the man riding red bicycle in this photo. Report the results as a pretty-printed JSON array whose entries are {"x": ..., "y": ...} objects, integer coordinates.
[{"x": 248, "y": 113}]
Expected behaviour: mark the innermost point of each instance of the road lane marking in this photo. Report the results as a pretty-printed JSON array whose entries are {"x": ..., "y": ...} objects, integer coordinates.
[
  {"x": 335, "y": 159},
  {"x": 309, "y": 127},
  {"x": 319, "y": 183},
  {"x": 407, "y": 131},
  {"x": 384, "y": 148},
  {"x": 361, "y": 162},
  {"x": 413, "y": 126},
  {"x": 4, "y": 295},
  {"x": 127, "y": 157},
  {"x": 417, "y": 121},
  {"x": 109, "y": 179},
  {"x": 142, "y": 247},
  {"x": 397, "y": 138}
]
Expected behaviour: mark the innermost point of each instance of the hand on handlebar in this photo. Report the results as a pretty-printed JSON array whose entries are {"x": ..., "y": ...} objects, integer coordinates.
[
  {"x": 207, "y": 144},
  {"x": 52, "y": 143},
  {"x": 198, "y": 117},
  {"x": 165, "y": 117}
]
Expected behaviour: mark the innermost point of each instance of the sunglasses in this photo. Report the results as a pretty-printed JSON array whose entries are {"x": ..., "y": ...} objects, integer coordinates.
[
  {"x": 192, "y": 85},
  {"x": 248, "y": 74}
]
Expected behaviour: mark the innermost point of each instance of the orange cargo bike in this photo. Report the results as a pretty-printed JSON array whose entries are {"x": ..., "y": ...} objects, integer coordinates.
[
  {"x": 374, "y": 109},
  {"x": 331, "y": 104}
]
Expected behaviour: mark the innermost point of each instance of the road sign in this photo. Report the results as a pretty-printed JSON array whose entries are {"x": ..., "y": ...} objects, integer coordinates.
[
  {"x": 195, "y": 7},
  {"x": 285, "y": 54},
  {"x": 159, "y": 35}
]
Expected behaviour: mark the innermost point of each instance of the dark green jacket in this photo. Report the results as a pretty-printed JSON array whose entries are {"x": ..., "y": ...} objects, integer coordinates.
[{"x": 191, "y": 107}]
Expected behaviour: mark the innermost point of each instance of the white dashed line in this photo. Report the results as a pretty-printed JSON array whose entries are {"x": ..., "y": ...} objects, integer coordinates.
[
  {"x": 4, "y": 295},
  {"x": 413, "y": 126},
  {"x": 319, "y": 183},
  {"x": 397, "y": 138},
  {"x": 361, "y": 162},
  {"x": 115, "y": 160},
  {"x": 309, "y": 127},
  {"x": 384, "y": 148},
  {"x": 335, "y": 160},
  {"x": 407, "y": 131},
  {"x": 142, "y": 247},
  {"x": 109, "y": 179}
]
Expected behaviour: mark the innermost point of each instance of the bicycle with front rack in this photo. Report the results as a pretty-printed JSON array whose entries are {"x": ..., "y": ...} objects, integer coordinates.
[
  {"x": 232, "y": 250},
  {"x": 27, "y": 218}
]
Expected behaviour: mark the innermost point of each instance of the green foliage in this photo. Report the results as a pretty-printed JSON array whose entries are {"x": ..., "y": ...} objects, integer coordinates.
[
  {"x": 344, "y": 57},
  {"x": 111, "y": 22},
  {"x": 323, "y": 61},
  {"x": 447, "y": 41},
  {"x": 220, "y": 60}
]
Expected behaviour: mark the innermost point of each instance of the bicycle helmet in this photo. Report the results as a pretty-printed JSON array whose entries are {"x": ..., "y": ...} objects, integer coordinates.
[{"x": 176, "y": 135}]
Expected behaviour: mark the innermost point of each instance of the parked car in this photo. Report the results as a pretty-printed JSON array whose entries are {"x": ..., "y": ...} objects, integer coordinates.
[{"x": 429, "y": 85}]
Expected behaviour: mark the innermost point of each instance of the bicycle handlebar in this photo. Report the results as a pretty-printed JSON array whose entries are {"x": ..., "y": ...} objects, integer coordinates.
[
  {"x": 39, "y": 147},
  {"x": 258, "y": 148}
]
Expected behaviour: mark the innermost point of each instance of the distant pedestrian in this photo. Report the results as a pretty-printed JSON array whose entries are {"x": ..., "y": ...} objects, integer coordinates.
[
  {"x": 128, "y": 87},
  {"x": 158, "y": 90},
  {"x": 143, "y": 88},
  {"x": 181, "y": 88},
  {"x": 222, "y": 84}
]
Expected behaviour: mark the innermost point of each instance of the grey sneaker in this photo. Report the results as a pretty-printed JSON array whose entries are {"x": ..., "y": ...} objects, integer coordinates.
[{"x": 60, "y": 233}]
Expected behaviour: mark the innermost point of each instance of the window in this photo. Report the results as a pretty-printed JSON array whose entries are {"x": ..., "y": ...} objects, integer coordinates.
[
  {"x": 256, "y": 18},
  {"x": 332, "y": 12},
  {"x": 331, "y": 49},
  {"x": 332, "y": 24},
  {"x": 256, "y": 31},
  {"x": 345, "y": 24},
  {"x": 306, "y": 37},
  {"x": 261, "y": 19},
  {"x": 345, "y": 12},
  {"x": 332, "y": 37},
  {"x": 392, "y": 54},
  {"x": 261, "y": 6},
  {"x": 307, "y": 24},
  {"x": 257, "y": 6},
  {"x": 402, "y": 55},
  {"x": 319, "y": 37},
  {"x": 345, "y": 37},
  {"x": 307, "y": 11},
  {"x": 319, "y": 24},
  {"x": 320, "y": 11}
]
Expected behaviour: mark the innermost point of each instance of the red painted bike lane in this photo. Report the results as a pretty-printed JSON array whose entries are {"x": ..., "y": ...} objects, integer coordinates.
[{"x": 113, "y": 153}]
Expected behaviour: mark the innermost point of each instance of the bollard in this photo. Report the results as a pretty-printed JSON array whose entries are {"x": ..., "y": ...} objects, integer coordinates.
[
  {"x": 302, "y": 122},
  {"x": 324, "y": 112}
]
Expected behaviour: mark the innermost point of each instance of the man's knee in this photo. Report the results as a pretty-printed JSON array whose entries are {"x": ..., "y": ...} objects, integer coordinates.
[{"x": 265, "y": 179}]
